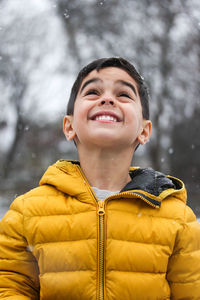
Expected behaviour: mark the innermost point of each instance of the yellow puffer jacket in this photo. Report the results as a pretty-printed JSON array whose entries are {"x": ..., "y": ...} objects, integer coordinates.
[{"x": 58, "y": 242}]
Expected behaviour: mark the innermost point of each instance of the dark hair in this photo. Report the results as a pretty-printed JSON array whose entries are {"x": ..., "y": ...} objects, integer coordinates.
[{"x": 111, "y": 62}]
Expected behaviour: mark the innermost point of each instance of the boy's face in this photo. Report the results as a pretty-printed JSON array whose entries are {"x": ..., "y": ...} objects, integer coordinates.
[{"x": 107, "y": 112}]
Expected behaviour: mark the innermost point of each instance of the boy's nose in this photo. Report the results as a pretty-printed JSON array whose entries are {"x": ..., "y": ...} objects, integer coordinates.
[{"x": 107, "y": 102}]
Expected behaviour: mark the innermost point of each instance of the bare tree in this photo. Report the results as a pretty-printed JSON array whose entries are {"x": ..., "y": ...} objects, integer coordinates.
[
  {"x": 93, "y": 21},
  {"x": 17, "y": 60},
  {"x": 18, "y": 84}
]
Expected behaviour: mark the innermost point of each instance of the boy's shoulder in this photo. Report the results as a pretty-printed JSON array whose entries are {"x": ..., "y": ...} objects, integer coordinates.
[
  {"x": 35, "y": 195},
  {"x": 56, "y": 183}
]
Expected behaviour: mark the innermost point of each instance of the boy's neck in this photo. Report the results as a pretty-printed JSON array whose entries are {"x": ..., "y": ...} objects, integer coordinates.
[{"x": 106, "y": 169}]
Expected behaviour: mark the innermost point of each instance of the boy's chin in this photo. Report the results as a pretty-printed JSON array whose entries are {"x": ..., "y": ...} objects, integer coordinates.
[{"x": 112, "y": 142}]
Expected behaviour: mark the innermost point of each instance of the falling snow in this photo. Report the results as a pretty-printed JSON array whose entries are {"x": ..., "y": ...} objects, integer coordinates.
[{"x": 66, "y": 14}]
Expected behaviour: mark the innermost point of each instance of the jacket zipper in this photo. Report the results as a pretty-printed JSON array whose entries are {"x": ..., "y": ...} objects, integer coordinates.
[
  {"x": 130, "y": 195},
  {"x": 101, "y": 214}
]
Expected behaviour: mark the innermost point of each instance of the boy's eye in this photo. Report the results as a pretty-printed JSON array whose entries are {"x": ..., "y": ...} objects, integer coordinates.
[
  {"x": 124, "y": 95},
  {"x": 91, "y": 92}
]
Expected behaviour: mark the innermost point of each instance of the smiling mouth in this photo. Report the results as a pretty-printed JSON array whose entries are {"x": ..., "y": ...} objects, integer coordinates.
[{"x": 105, "y": 118}]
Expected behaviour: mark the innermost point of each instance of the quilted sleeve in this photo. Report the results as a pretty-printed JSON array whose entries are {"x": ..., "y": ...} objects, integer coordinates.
[
  {"x": 18, "y": 267},
  {"x": 184, "y": 265}
]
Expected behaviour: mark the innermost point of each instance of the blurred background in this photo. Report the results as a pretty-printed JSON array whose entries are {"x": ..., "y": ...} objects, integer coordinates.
[{"x": 43, "y": 44}]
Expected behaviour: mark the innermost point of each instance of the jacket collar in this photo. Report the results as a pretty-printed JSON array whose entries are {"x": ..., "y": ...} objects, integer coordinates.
[
  {"x": 150, "y": 181},
  {"x": 152, "y": 185},
  {"x": 146, "y": 183}
]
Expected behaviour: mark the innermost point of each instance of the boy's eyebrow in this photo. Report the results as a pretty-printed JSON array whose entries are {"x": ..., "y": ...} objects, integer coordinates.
[
  {"x": 88, "y": 82},
  {"x": 128, "y": 84},
  {"x": 118, "y": 81}
]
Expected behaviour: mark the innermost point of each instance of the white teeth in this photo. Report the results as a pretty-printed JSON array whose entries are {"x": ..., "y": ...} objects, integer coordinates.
[{"x": 106, "y": 117}]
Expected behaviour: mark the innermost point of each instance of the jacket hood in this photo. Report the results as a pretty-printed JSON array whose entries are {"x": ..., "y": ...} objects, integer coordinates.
[
  {"x": 151, "y": 181},
  {"x": 67, "y": 177}
]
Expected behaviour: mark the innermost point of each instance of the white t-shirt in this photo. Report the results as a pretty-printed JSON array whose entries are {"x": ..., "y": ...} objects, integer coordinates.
[{"x": 102, "y": 194}]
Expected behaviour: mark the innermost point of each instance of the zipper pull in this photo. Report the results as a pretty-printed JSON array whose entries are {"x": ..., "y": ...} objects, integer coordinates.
[{"x": 101, "y": 208}]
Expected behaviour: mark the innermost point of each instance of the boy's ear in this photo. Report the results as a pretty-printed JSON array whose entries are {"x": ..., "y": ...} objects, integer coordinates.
[
  {"x": 145, "y": 132},
  {"x": 68, "y": 130}
]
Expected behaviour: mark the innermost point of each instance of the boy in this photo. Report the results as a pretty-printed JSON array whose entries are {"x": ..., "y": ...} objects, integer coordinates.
[{"x": 99, "y": 229}]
